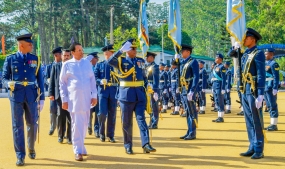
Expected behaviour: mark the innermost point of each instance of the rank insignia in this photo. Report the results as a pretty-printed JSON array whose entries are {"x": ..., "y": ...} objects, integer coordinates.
[{"x": 277, "y": 68}]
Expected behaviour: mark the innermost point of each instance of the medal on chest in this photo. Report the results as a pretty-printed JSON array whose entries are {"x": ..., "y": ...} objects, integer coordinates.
[
  {"x": 32, "y": 63},
  {"x": 217, "y": 69}
]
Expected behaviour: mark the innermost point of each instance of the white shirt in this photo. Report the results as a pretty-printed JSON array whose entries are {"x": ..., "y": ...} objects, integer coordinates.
[{"x": 77, "y": 85}]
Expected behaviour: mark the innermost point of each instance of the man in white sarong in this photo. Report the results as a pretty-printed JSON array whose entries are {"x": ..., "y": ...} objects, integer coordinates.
[{"x": 78, "y": 92}]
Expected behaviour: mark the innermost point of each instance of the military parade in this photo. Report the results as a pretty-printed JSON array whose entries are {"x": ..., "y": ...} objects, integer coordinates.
[{"x": 130, "y": 100}]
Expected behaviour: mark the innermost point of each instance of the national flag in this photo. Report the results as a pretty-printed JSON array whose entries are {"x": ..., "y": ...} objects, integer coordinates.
[
  {"x": 3, "y": 45},
  {"x": 174, "y": 24},
  {"x": 143, "y": 28}
]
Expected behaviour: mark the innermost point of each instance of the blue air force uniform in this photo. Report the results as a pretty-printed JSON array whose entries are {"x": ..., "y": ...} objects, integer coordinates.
[
  {"x": 163, "y": 88},
  {"x": 189, "y": 80},
  {"x": 174, "y": 86},
  {"x": 152, "y": 73},
  {"x": 227, "y": 95},
  {"x": 271, "y": 88},
  {"x": 107, "y": 87},
  {"x": 132, "y": 94},
  {"x": 168, "y": 72},
  {"x": 253, "y": 91},
  {"x": 203, "y": 76},
  {"x": 219, "y": 85},
  {"x": 25, "y": 71}
]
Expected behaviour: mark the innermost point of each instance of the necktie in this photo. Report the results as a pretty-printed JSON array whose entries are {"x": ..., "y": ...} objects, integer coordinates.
[{"x": 25, "y": 57}]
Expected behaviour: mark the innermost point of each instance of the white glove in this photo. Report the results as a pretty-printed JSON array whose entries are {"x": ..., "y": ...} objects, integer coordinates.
[
  {"x": 274, "y": 92},
  {"x": 48, "y": 80},
  {"x": 155, "y": 96},
  {"x": 169, "y": 89},
  {"x": 177, "y": 56},
  {"x": 177, "y": 90},
  {"x": 258, "y": 101},
  {"x": 237, "y": 45},
  {"x": 223, "y": 91},
  {"x": 203, "y": 90},
  {"x": 165, "y": 91},
  {"x": 212, "y": 90},
  {"x": 126, "y": 47},
  {"x": 103, "y": 81},
  {"x": 41, "y": 105},
  {"x": 189, "y": 96},
  {"x": 228, "y": 90}
]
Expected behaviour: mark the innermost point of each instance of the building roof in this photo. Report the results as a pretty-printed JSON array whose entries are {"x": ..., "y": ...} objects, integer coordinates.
[{"x": 153, "y": 48}]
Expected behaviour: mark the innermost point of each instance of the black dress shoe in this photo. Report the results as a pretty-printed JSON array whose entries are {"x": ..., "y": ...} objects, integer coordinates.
[
  {"x": 247, "y": 154},
  {"x": 219, "y": 120},
  {"x": 190, "y": 138},
  {"x": 202, "y": 112},
  {"x": 163, "y": 111},
  {"x": 183, "y": 115},
  {"x": 20, "y": 162},
  {"x": 240, "y": 113},
  {"x": 60, "y": 140},
  {"x": 214, "y": 110},
  {"x": 97, "y": 135},
  {"x": 174, "y": 113},
  {"x": 112, "y": 140},
  {"x": 129, "y": 151},
  {"x": 153, "y": 127},
  {"x": 257, "y": 156},
  {"x": 148, "y": 148},
  {"x": 32, "y": 154},
  {"x": 266, "y": 110},
  {"x": 78, "y": 157},
  {"x": 272, "y": 127},
  {"x": 50, "y": 132},
  {"x": 228, "y": 112},
  {"x": 89, "y": 131},
  {"x": 69, "y": 141},
  {"x": 168, "y": 108},
  {"x": 102, "y": 138}
]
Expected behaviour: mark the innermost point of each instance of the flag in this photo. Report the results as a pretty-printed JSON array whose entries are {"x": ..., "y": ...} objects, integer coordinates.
[
  {"x": 236, "y": 24},
  {"x": 143, "y": 28},
  {"x": 174, "y": 24},
  {"x": 38, "y": 46},
  {"x": 3, "y": 45}
]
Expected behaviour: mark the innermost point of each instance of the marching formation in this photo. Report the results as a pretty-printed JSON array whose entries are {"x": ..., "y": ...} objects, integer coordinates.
[{"x": 80, "y": 86}]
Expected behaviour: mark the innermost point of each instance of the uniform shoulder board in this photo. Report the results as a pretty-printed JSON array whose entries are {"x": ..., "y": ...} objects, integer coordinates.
[
  {"x": 276, "y": 66},
  {"x": 224, "y": 69},
  {"x": 123, "y": 56}
]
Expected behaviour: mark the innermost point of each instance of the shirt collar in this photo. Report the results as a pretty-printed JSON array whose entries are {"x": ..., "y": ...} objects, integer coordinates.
[{"x": 249, "y": 50}]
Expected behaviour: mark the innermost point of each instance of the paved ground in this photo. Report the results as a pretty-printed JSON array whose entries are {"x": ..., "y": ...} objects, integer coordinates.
[{"x": 216, "y": 146}]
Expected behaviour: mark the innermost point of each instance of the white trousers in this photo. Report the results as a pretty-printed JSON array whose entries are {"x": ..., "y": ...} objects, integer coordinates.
[{"x": 79, "y": 124}]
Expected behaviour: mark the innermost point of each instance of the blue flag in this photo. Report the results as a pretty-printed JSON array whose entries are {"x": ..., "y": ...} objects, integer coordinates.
[
  {"x": 236, "y": 24},
  {"x": 72, "y": 40},
  {"x": 174, "y": 24},
  {"x": 143, "y": 28}
]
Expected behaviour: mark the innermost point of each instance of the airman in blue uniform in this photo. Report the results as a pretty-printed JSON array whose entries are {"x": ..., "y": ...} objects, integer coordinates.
[
  {"x": 163, "y": 87},
  {"x": 210, "y": 82},
  {"x": 203, "y": 76},
  {"x": 107, "y": 87},
  {"x": 132, "y": 94},
  {"x": 174, "y": 87},
  {"x": 93, "y": 58},
  {"x": 152, "y": 74},
  {"x": 23, "y": 77},
  {"x": 271, "y": 88},
  {"x": 227, "y": 95},
  {"x": 189, "y": 80},
  {"x": 253, "y": 73},
  {"x": 219, "y": 85},
  {"x": 167, "y": 69}
]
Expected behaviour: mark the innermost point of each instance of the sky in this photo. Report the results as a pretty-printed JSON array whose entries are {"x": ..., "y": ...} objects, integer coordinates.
[{"x": 158, "y": 1}]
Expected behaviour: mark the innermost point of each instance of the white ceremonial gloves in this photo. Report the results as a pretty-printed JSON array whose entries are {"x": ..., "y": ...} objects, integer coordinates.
[
  {"x": 177, "y": 56},
  {"x": 42, "y": 102},
  {"x": 126, "y": 47},
  {"x": 190, "y": 96},
  {"x": 177, "y": 90},
  {"x": 204, "y": 90},
  {"x": 228, "y": 90},
  {"x": 258, "y": 101},
  {"x": 223, "y": 91},
  {"x": 274, "y": 92},
  {"x": 237, "y": 45},
  {"x": 155, "y": 96},
  {"x": 165, "y": 91}
]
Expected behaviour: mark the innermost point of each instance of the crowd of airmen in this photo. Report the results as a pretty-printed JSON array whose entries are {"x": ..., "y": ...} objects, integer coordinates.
[{"x": 132, "y": 83}]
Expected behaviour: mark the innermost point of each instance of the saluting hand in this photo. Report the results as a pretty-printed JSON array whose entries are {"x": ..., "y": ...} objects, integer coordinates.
[
  {"x": 93, "y": 102},
  {"x": 65, "y": 106}
]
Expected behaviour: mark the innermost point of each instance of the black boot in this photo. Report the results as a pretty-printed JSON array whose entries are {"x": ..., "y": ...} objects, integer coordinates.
[{"x": 148, "y": 148}]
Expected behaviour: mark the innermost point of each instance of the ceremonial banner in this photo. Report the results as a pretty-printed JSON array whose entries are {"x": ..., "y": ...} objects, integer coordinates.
[
  {"x": 3, "y": 45},
  {"x": 174, "y": 24},
  {"x": 143, "y": 28},
  {"x": 38, "y": 46}
]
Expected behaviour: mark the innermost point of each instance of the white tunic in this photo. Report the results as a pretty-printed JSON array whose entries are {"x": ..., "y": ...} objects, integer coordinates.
[{"x": 77, "y": 85}]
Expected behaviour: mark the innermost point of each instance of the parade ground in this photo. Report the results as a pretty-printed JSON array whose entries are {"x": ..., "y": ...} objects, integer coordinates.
[{"x": 217, "y": 145}]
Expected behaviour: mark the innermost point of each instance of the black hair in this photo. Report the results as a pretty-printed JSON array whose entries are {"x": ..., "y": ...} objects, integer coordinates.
[
  {"x": 65, "y": 50},
  {"x": 73, "y": 45}
]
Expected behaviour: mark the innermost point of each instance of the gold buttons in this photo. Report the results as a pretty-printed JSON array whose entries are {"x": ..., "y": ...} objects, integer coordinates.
[{"x": 25, "y": 78}]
